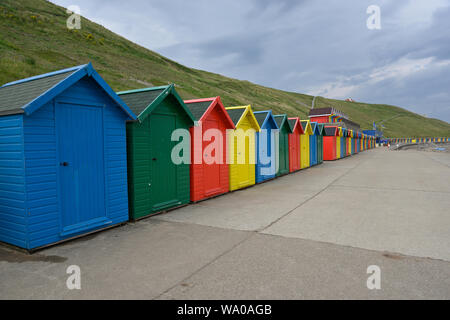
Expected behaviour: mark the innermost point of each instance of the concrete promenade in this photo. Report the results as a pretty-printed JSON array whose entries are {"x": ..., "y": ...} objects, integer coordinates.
[{"x": 309, "y": 235}]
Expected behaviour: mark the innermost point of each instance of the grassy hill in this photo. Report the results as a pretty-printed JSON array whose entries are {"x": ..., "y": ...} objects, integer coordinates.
[{"x": 34, "y": 39}]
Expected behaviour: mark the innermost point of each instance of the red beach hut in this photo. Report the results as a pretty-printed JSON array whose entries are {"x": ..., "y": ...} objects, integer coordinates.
[
  {"x": 329, "y": 143},
  {"x": 209, "y": 168},
  {"x": 294, "y": 144}
]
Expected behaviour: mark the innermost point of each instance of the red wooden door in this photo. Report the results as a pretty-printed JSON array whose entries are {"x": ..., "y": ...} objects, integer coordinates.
[
  {"x": 294, "y": 152},
  {"x": 211, "y": 171}
]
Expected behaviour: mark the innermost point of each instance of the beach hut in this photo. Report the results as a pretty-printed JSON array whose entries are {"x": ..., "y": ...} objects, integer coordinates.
[
  {"x": 338, "y": 143},
  {"x": 283, "y": 144},
  {"x": 242, "y": 147},
  {"x": 343, "y": 143},
  {"x": 320, "y": 143},
  {"x": 266, "y": 149},
  {"x": 329, "y": 143},
  {"x": 294, "y": 145},
  {"x": 209, "y": 169},
  {"x": 304, "y": 144},
  {"x": 313, "y": 144},
  {"x": 63, "y": 168},
  {"x": 357, "y": 141},
  {"x": 157, "y": 182},
  {"x": 349, "y": 142},
  {"x": 354, "y": 138}
]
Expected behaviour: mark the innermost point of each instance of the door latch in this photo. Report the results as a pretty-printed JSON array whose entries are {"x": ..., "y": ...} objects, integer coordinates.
[{"x": 64, "y": 164}]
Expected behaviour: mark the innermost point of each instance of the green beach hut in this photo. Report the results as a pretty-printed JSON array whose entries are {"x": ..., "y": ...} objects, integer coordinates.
[
  {"x": 283, "y": 144},
  {"x": 155, "y": 182}
]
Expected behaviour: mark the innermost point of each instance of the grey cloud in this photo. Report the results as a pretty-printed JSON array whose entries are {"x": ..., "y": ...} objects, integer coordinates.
[{"x": 295, "y": 44}]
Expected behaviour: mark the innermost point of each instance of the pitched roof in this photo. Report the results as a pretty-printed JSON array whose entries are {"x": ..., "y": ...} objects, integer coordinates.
[
  {"x": 264, "y": 118},
  {"x": 235, "y": 114},
  {"x": 306, "y": 126},
  {"x": 292, "y": 123},
  {"x": 14, "y": 97},
  {"x": 201, "y": 108},
  {"x": 144, "y": 101},
  {"x": 295, "y": 124},
  {"x": 198, "y": 109},
  {"x": 238, "y": 113},
  {"x": 138, "y": 101},
  {"x": 321, "y": 128},
  {"x": 282, "y": 120},
  {"x": 28, "y": 95},
  {"x": 315, "y": 128},
  {"x": 331, "y": 131},
  {"x": 261, "y": 117}
]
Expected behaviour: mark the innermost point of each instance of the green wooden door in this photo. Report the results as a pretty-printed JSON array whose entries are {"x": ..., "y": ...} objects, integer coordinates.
[
  {"x": 138, "y": 147},
  {"x": 283, "y": 152},
  {"x": 163, "y": 183},
  {"x": 320, "y": 149}
]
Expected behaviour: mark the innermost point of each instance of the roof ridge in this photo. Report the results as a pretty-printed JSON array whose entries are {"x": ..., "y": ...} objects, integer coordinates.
[
  {"x": 238, "y": 107},
  {"x": 212, "y": 99},
  {"x": 45, "y": 75},
  {"x": 144, "y": 89}
]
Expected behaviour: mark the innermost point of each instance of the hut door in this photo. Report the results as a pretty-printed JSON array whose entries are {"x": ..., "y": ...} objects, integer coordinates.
[
  {"x": 284, "y": 148},
  {"x": 163, "y": 185},
  {"x": 212, "y": 171},
  {"x": 81, "y": 167}
]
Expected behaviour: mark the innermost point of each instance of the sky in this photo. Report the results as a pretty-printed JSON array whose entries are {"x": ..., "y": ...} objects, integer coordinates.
[{"x": 320, "y": 48}]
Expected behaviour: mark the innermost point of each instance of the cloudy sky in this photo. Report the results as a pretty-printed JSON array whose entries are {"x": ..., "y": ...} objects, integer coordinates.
[{"x": 317, "y": 47}]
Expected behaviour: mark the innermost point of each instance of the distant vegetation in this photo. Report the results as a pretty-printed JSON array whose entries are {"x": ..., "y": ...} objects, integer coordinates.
[{"x": 34, "y": 40}]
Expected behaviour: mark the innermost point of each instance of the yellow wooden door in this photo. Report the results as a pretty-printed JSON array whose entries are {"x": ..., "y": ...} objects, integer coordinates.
[
  {"x": 243, "y": 174},
  {"x": 304, "y": 147},
  {"x": 338, "y": 147}
]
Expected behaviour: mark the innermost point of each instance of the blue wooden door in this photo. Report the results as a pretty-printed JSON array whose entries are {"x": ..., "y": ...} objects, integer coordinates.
[
  {"x": 313, "y": 149},
  {"x": 265, "y": 160},
  {"x": 81, "y": 167}
]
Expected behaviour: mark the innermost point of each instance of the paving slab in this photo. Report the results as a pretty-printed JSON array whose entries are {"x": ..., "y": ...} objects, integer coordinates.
[{"x": 267, "y": 267}]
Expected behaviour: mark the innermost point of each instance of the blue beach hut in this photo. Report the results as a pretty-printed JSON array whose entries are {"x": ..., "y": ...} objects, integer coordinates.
[
  {"x": 344, "y": 143},
  {"x": 63, "y": 157},
  {"x": 266, "y": 150},
  {"x": 313, "y": 144}
]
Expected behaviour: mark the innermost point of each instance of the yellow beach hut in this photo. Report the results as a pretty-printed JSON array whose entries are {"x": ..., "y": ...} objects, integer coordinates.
[
  {"x": 304, "y": 144},
  {"x": 338, "y": 144},
  {"x": 241, "y": 155}
]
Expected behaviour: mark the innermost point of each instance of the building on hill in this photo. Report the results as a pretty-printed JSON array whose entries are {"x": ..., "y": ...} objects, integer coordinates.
[
  {"x": 325, "y": 115},
  {"x": 331, "y": 116}
]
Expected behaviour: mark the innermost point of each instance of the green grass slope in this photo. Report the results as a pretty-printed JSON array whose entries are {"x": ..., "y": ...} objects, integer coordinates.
[{"x": 34, "y": 39}]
